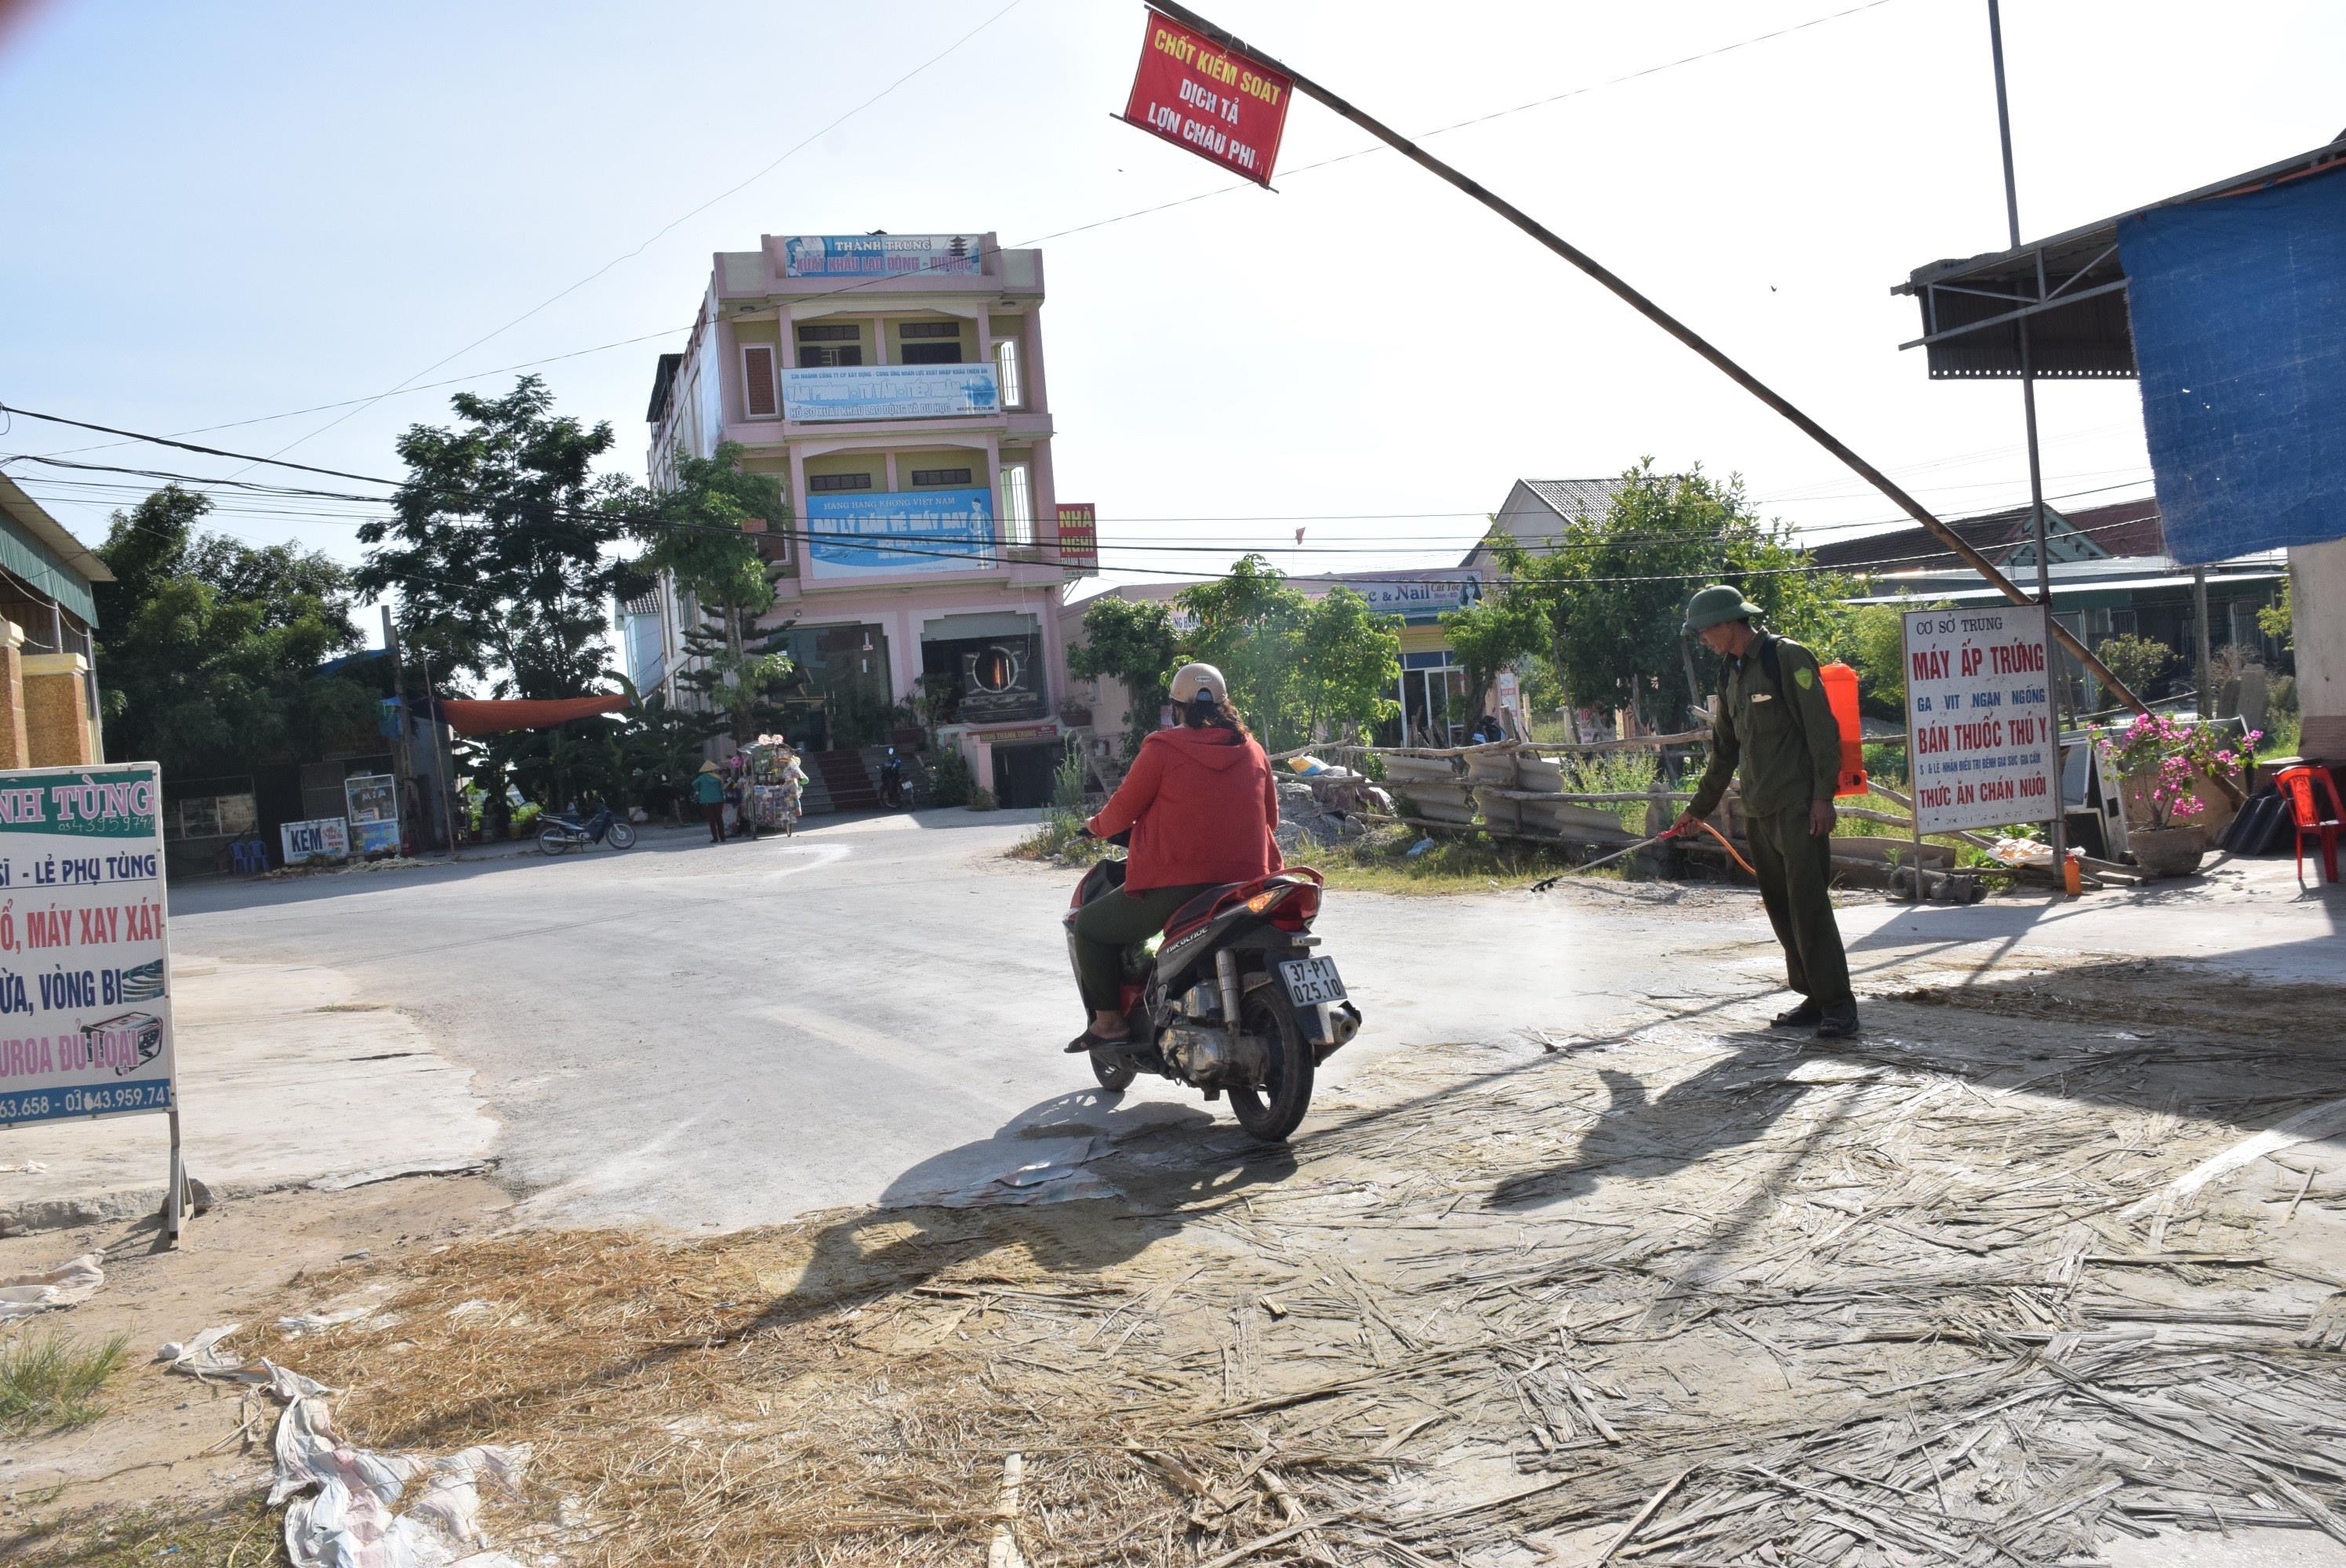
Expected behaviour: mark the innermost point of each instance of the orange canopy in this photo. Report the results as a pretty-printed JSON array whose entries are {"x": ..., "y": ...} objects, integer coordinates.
[{"x": 469, "y": 717}]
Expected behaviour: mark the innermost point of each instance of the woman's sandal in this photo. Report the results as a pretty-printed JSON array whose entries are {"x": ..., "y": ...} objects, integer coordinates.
[{"x": 1087, "y": 1041}]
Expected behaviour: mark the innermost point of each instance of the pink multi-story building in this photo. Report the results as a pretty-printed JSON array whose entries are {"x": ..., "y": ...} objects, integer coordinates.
[{"x": 895, "y": 386}]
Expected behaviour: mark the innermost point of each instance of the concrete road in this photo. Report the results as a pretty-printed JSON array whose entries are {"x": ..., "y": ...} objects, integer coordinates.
[{"x": 700, "y": 1035}]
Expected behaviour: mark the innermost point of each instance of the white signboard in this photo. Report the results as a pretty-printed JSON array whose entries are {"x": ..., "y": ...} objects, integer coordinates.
[
  {"x": 890, "y": 392},
  {"x": 1979, "y": 717},
  {"x": 85, "y": 968},
  {"x": 320, "y": 839}
]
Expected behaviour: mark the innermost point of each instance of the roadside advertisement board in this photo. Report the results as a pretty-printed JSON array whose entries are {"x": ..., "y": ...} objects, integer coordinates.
[
  {"x": 882, "y": 255},
  {"x": 373, "y": 803},
  {"x": 889, "y": 391},
  {"x": 1227, "y": 108},
  {"x": 85, "y": 966},
  {"x": 897, "y": 531},
  {"x": 1420, "y": 598},
  {"x": 1079, "y": 538},
  {"x": 1979, "y": 717},
  {"x": 319, "y": 839}
]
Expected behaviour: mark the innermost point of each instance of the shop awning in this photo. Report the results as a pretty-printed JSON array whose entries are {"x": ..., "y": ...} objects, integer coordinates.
[{"x": 495, "y": 717}]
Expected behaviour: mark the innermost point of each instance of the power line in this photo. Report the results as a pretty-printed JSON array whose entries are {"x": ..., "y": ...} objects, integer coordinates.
[
  {"x": 355, "y": 405},
  {"x": 769, "y": 169}
]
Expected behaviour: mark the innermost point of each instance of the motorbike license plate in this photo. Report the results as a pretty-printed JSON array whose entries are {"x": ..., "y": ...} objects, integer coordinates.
[{"x": 1312, "y": 981}]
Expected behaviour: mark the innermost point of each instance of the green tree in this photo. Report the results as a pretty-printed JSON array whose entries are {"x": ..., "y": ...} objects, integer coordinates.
[
  {"x": 1491, "y": 633},
  {"x": 2136, "y": 661},
  {"x": 209, "y": 649},
  {"x": 697, "y": 531},
  {"x": 2278, "y": 621},
  {"x": 1130, "y": 641},
  {"x": 1348, "y": 666},
  {"x": 1613, "y": 588},
  {"x": 500, "y": 545},
  {"x": 1250, "y": 625}
]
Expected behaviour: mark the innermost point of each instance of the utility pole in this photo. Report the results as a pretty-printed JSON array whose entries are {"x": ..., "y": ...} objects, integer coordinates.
[
  {"x": 2205, "y": 673},
  {"x": 2036, "y": 470},
  {"x": 403, "y": 753},
  {"x": 443, "y": 771}
]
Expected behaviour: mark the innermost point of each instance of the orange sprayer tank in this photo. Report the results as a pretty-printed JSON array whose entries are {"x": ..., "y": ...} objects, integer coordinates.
[{"x": 1840, "y": 692}]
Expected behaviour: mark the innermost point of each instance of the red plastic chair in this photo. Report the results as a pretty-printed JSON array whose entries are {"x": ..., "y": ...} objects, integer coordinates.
[{"x": 2304, "y": 788}]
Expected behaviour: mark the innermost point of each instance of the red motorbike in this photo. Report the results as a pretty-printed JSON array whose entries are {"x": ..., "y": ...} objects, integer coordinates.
[{"x": 1230, "y": 996}]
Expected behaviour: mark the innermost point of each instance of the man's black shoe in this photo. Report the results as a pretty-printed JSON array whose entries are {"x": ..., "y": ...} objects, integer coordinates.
[
  {"x": 1839, "y": 1023},
  {"x": 1806, "y": 1013}
]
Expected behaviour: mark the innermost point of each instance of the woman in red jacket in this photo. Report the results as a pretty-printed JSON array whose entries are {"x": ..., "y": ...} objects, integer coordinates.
[{"x": 1201, "y": 806}]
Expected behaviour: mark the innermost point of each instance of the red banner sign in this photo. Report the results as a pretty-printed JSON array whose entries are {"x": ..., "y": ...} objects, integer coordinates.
[
  {"x": 1224, "y": 107},
  {"x": 1079, "y": 538}
]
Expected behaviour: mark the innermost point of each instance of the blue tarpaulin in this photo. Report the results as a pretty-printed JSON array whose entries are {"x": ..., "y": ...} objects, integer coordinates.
[{"x": 2238, "y": 309}]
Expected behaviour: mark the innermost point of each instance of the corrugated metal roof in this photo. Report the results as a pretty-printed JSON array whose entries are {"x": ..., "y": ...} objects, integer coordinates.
[
  {"x": 2071, "y": 589},
  {"x": 2125, "y": 528},
  {"x": 1574, "y": 498},
  {"x": 2071, "y": 286},
  {"x": 44, "y": 552}
]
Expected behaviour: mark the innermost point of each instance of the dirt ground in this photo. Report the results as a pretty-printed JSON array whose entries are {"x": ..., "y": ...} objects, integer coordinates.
[{"x": 1684, "y": 1291}]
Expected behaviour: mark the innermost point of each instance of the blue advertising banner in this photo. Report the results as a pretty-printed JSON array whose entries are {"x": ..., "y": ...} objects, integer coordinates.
[
  {"x": 880, "y": 255},
  {"x": 2236, "y": 304},
  {"x": 890, "y": 392},
  {"x": 898, "y": 531}
]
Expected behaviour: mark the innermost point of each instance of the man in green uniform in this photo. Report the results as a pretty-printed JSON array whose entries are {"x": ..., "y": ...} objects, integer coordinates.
[{"x": 1774, "y": 721}]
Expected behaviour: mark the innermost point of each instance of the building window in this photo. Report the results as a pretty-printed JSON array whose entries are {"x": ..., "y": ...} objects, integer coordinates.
[
  {"x": 930, "y": 342},
  {"x": 1006, "y": 361},
  {"x": 758, "y": 379},
  {"x": 925, "y": 477},
  {"x": 1017, "y": 505},
  {"x": 213, "y": 816},
  {"x": 824, "y": 344},
  {"x": 819, "y": 482}
]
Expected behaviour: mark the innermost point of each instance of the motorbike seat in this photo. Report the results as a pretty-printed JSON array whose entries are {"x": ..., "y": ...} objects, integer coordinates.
[{"x": 1198, "y": 908}]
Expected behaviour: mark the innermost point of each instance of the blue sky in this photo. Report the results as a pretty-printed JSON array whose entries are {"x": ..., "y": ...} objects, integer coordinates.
[{"x": 220, "y": 213}]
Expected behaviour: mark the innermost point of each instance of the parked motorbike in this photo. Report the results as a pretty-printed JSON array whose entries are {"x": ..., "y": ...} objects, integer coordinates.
[
  {"x": 1230, "y": 996},
  {"x": 557, "y": 834},
  {"x": 892, "y": 782}
]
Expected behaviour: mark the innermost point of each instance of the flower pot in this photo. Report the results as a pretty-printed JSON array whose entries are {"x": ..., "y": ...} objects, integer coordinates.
[{"x": 2168, "y": 852}]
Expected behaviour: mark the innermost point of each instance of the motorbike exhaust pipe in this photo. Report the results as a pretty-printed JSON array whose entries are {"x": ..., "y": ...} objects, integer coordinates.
[{"x": 1225, "y": 970}]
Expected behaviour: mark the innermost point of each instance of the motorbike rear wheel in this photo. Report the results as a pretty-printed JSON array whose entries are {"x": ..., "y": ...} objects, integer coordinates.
[
  {"x": 622, "y": 834},
  {"x": 1114, "y": 1071},
  {"x": 1275, "y": 1109},
  {"x": 554, "y": 841}
]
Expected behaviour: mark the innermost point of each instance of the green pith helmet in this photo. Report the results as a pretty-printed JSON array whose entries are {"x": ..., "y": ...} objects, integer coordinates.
[{"x": 1715, "y": 605}]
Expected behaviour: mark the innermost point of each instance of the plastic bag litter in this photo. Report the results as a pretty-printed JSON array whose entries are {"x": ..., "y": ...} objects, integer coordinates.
[
  {"x": 201, "y": 1357},
  {"x": 2027, "y": 853},
  {"x": 338, "y": 1499},
  {"x": 64, "y": 1286},
  {"x": 340, "y": 1512},
  {"x": 317, "y": 1322}
]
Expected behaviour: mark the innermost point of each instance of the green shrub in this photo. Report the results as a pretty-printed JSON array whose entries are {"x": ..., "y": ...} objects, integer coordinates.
[
  {"x": 1067, "y": 778},
  {"x": 949, "y": 780},
  {"x": 983, "y": 800}
]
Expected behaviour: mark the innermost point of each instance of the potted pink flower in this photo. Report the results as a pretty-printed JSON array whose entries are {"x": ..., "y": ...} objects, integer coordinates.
[{"x": 2159, "y": 764}]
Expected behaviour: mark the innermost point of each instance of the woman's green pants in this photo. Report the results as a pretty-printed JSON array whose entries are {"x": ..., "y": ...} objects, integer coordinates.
[{"x": 1106, "y": 926}]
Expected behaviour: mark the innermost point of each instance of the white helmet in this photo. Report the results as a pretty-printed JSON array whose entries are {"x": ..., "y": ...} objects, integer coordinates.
[{"x": 1192, "y": 679}]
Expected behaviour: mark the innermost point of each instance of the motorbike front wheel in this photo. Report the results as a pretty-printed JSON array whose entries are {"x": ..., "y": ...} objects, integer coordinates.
[
  {"x": 1274, "y": 1109},
  {"x": 622, "y": 835},
  {"x": 554, "y": 841}
]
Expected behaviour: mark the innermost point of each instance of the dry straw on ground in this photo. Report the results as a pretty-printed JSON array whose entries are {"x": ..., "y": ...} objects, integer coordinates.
[{"x": 1682, "y": 1294}]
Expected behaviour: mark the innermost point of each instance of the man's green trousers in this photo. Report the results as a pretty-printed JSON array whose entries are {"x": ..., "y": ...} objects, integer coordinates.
[{"x": 1795, "y": 869}]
